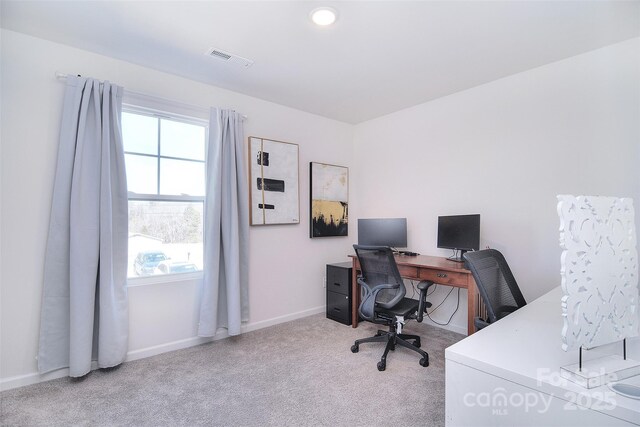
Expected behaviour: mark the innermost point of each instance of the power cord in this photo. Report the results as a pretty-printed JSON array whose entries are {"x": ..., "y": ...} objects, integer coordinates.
[
  {"x": 452, "y": 314},
  {"x": 413, "y": 287},
  {"x": 441, "y": 302}
]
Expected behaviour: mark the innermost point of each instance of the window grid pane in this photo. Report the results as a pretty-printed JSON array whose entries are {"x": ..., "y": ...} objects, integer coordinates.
[
  {"x": 165, "y": 165},
  {"x": 142, "y": 173},
  {"x": 181, "y": 177},
  {"x": 179, "y": 146},
  {"x": 181, "y": 140},
  {"x": 141, "y": 133}
]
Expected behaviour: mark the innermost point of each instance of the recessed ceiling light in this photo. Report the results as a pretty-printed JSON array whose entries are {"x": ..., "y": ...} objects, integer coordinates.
[{"x": 324, "y": 16}]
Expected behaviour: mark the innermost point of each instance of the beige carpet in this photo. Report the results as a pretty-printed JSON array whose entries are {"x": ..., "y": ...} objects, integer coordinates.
[{"x": 294, "y": 374}]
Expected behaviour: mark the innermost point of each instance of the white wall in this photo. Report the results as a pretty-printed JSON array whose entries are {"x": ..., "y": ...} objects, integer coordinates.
[
  {"x": 287, "y": 268},
  {"x": 505, "y": 150}
]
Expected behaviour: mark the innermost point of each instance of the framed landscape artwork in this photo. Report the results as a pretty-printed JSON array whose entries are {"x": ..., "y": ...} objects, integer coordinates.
[
  {"x": 329, "y": 200},
  {"x": 273, "y": 182}
]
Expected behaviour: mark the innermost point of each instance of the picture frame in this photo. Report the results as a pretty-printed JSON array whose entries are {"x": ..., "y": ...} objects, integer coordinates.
[
  {"x": 328, "y": 200},
  {"x": 273, "y": 182}
]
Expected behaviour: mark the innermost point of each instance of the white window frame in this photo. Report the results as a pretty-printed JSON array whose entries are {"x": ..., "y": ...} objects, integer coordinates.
[{"x": 134, "y": 108}]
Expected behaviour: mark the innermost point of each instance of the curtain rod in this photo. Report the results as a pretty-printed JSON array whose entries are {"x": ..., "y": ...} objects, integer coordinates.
[{"x": 62, "y": 76}]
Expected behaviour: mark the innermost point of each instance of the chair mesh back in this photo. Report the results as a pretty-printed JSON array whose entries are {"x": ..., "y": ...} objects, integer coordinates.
[
  {"x": 497, "y": 286},
  {"x": 378, "y": 266}
]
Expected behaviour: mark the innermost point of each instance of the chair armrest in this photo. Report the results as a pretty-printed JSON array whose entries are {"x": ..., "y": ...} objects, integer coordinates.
[
  {"x": 504, "y": 310},
  {"x": 479, "y": 323},
  {"x": 423, "y": 287},
  {"x": 376, "y": 288},
  {"x": 368, "y": 304}
]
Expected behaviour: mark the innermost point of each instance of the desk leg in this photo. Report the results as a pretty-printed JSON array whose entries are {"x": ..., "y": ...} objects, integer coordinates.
[
  {"x": 355, "y": 295},
  {"x": 472, "y": 304}
]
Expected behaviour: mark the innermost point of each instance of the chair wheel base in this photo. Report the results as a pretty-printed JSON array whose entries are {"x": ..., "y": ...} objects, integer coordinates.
[
  {"x": 355, "y": 348},
  {"x": 382, "y": 366},
  {"x": 424, "y": 362}
]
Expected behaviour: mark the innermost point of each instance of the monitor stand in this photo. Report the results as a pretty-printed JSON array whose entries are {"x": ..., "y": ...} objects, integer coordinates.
[{"x": 457, "y": 255}]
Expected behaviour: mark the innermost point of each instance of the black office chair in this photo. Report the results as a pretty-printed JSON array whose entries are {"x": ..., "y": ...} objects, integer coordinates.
[
  {"x": 383, "y": 301},
  {"x": 498, "y": 288}
]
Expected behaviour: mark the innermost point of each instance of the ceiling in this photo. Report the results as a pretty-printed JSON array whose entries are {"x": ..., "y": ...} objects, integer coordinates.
[{"x": 379, "y": 57}]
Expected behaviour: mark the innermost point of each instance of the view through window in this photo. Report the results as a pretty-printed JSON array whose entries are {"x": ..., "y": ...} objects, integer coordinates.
[{"x": 166, "y": 182}]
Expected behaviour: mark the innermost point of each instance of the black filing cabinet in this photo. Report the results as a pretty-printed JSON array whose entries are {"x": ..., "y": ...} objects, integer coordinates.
[{"x": 339, "y": 292}]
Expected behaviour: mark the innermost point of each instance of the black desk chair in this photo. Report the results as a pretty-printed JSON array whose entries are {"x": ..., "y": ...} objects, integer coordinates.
[
  {"x": 383, "y": 301},
  {"x": 498, "y": 288}
]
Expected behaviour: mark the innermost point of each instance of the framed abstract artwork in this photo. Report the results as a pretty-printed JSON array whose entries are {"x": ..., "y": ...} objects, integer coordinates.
[
  {"x": 273, "y": 182},
  {"x": 329, "y": 198}
]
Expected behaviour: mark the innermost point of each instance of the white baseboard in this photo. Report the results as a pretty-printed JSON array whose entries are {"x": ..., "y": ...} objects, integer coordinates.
[
  {"x": 167, "y": 347},
  {"x": 34, "y": 378},
  {"x": 282, "y": 319},
  {"x": 450, "y": 327},
  {"x": 220, "y": 334}
]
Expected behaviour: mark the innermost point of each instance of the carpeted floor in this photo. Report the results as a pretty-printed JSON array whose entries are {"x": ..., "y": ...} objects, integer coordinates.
[{"x": 299, "y": 373}]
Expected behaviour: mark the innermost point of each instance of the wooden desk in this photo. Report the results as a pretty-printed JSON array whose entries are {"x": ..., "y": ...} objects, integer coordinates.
[{"x": 423, "y": 267}]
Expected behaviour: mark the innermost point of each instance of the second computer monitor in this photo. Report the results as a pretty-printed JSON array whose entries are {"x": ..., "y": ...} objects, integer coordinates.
[
  {"x": 390, "y": 232},
  {"x": 460, "y": 232}
]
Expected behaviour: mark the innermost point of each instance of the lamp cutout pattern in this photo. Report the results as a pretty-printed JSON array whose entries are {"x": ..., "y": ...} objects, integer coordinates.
[{"x": 599, "y": 268}]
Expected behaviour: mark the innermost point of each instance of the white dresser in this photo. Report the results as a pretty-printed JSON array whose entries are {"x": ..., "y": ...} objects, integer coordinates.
[{"x": 508, "y": 374}]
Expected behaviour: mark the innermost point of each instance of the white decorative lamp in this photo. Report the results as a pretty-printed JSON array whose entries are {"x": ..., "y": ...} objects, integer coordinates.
[{"x": 599, "y": 268}]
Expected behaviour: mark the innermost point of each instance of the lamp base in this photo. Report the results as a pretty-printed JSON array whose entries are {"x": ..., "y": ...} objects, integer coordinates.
[{"x": 600, "y": 371}]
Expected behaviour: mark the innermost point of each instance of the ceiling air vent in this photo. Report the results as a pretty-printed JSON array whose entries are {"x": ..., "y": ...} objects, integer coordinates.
[{"x": 229, "y": 57}]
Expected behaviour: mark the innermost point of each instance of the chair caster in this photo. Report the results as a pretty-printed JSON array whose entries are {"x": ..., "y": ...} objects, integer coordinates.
[
  {"x": 424, "y": 361},
  {"x": 355, "y": 348},
  {"x": 382, "y": 366}
]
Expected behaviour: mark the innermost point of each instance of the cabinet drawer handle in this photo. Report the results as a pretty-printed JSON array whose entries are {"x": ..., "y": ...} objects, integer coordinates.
[
  {"x": 336, "y": 309},
  {"x": 337, "y": 284},
  {"x": 441, "y": 275}
]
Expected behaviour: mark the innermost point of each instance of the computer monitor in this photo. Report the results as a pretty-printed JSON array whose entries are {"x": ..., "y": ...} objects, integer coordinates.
[
  {"x": 460, "y": 233},
  {"x": 390, "y": 232}
]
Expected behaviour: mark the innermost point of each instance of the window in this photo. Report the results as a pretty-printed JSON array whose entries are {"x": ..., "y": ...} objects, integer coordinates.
[{"x": 165, "y": 165}]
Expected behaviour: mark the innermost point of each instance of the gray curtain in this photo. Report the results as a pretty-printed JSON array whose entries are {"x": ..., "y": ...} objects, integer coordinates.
[
  {"x": 225, "y": 293},
  {"x": 84, "y": 312}
]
